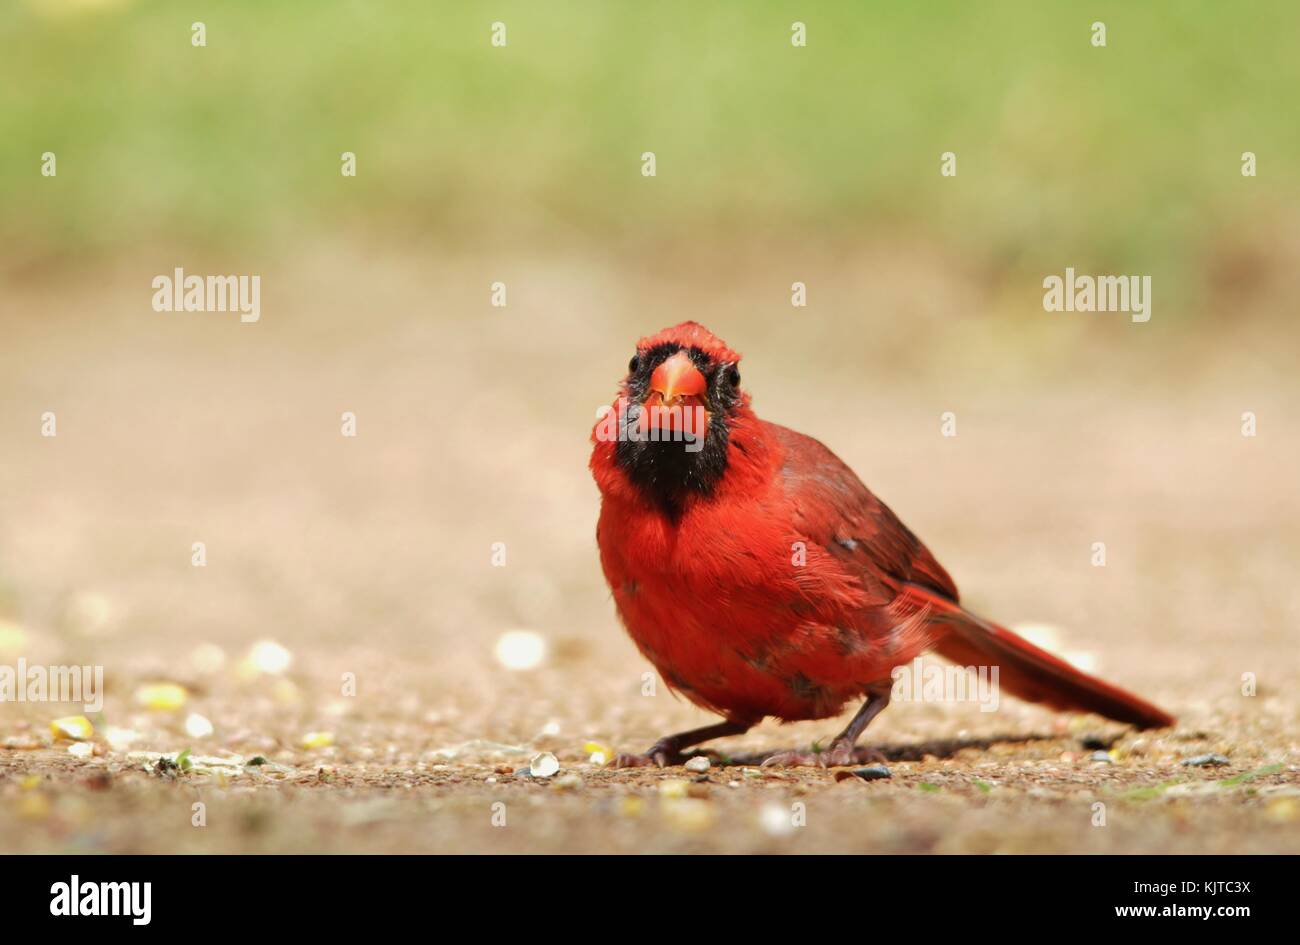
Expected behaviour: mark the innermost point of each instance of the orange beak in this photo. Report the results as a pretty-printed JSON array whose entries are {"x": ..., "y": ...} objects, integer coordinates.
[
  {"x": 677, "y": 378},
  {"x": 676, "y": 383}
]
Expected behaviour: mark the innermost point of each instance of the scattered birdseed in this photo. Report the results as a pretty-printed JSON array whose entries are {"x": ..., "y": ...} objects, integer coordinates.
[
  {"x": 25, "y": 742},
  {"x": 520, "y": 650},
  {"x": 777, "y": 820},
  {"x": 208, "y": 658},
  {"x": 267, "y": 656},
  {"x": 74, "y": 727},
  {"x": 161, "y": 697},
  {"x": 477, "y": 746},
  {"x": 543, "y": 765},
  {"x": 34, "y": 807},
  {"x": 120, "y": 739},
  {"x": 673, "y": 787},
  {"x": 196, "y": 726},
  {"x": 1202, "y": 761},
  {"x": 12, "y": 638},
  {"x": 687, "y": 814},
  {"x": 1282, "y": 810},
  {"x": 285, "y": 692}
]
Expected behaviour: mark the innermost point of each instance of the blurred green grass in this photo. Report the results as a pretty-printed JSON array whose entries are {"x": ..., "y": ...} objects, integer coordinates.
[{"x": 1125, "y": 158}]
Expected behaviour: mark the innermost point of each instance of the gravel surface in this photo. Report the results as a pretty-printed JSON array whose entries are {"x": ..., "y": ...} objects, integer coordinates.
[{"x": 383, "y": 719}]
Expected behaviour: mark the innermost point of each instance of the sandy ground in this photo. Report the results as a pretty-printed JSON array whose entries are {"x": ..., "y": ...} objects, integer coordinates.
[{"x": 371, "y": 556}]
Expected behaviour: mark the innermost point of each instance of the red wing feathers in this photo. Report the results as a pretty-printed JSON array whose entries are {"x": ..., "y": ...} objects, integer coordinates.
[{"x": 834, "y": 509}]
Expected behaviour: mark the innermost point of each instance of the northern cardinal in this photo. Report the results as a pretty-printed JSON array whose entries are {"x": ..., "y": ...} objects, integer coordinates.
[{"x": 762, "y": 578}]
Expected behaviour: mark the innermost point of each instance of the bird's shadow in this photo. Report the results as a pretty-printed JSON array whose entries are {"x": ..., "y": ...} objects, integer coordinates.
[{"x": 939, "y": 748}]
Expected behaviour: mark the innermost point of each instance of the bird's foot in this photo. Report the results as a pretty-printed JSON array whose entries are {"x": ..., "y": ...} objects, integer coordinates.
[
  {"x": 662, "y": 754},
  {"x": 839, "y": 754}
]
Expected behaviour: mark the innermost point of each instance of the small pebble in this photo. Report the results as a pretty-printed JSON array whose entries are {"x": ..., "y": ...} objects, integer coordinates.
[
  {"x": 1101, "y": 758},
  {"x": 1200, "y": 761},
  {"x": 698, "y": 763},
  {"x": 543, "y": 765}
]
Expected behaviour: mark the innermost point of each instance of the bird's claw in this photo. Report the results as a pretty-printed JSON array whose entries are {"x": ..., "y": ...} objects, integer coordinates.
[
  {"x": 659, "y": 756},
  {"x": 836, "y": 756},
  {"x": 636, "y": 761}
]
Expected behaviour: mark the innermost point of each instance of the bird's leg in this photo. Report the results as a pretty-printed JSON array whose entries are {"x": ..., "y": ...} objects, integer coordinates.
[
  {"x": 668, "y": 750},
  {"x": 843, "y": 750}
]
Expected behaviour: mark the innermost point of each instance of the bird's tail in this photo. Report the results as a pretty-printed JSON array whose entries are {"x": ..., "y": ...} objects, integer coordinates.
[{"x": 1026, "y": 671}]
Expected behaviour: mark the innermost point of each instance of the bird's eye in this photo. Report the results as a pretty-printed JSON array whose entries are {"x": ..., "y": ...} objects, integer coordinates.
[
  {"x": 634, "y": 363},
  {"x": 733, "y": 376}
]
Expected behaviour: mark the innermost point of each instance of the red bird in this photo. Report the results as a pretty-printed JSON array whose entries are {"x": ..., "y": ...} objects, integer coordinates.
[{"x": 762, "y": 578}]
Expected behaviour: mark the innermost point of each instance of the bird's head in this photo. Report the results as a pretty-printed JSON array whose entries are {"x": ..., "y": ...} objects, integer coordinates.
[{"x": 677, "y": 409}]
